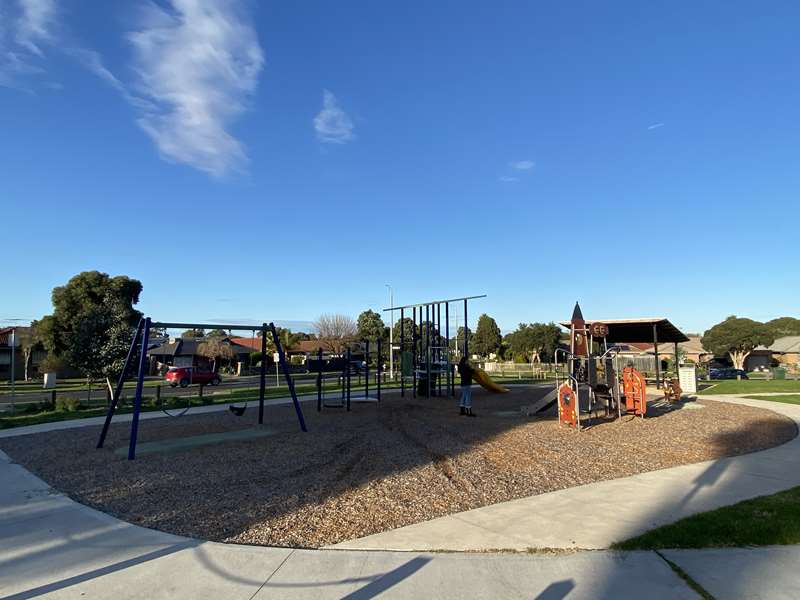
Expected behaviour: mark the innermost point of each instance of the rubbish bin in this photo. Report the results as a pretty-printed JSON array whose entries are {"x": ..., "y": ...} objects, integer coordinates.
[{"x": 779, "y": 373}]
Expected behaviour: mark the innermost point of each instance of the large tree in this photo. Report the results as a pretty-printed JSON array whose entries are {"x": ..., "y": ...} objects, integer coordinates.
[
  {"x": 487, "y": 337},
  {"x": 534, "y": 340},
  {"x": 194, "y": 333},
  {"x": 783, "y": 326},
  {"x": 737, "y": 337},
  {"x": 335, "y": 331},
  {"x": 217, "y": 349},
  {"x": 370, "y": 326},
  {"x": 407, "y": 327},
  {"x": 92, "y": 324}
]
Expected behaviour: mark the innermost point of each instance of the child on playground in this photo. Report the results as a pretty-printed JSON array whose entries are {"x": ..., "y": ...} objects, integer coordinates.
[{"x": 465, "y": 371}]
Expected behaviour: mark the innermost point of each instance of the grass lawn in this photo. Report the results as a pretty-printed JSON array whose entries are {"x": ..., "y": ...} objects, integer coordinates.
[
  {"x": 763, "y": 521},
  {"x": 791, "y": 399},
  {"x": 749, "y": 386}
]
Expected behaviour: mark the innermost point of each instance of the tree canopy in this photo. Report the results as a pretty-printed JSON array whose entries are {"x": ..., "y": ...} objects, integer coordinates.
[
  {"x": 335, "y": 331},
  {"x": 783, "y": 326},
  {"x": 194, "y": 333},
  {"x": 487, "y": 338},
  {"x": 531, "y": 341},
  {"x": 370, "y": 326},
  {"x": 736, "y": 337},
  {"x": 92, "y": 322}
]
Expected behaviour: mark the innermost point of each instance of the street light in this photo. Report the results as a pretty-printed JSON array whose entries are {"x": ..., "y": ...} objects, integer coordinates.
[{"x": 391, "y": 332}]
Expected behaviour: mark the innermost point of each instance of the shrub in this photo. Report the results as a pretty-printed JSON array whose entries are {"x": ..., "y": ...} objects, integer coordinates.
[{"x": 67, "y": 404}]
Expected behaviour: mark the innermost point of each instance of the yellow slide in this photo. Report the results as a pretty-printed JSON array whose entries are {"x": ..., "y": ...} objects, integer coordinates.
[{"x": 481, "y": 377}]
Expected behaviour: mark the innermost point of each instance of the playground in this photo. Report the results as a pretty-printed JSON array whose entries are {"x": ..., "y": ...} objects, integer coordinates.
[{"x": 380, "y": 466}]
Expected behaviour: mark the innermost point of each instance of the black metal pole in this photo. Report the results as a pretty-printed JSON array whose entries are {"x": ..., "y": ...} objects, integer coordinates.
[
  {"x": 288, "y": 376},
  {"x": 658, "y": 365},
  {"x": 402, "y": 350},
  {"x": 348, "y": 378},
  {"x": 466, "y": 331},
  {"x": 450, "y": 387},
  {"x": 380, "y": 370},
  {"x": 677, "y": 363},
  {"x": 439, "y": 347},
  {"x": 262, "y": 374},
  {"x": 137, "y": 401},
  {"x": 414, "y": 354},
  {"x": 366, "y": 371},
  {"x": 112, "y": 407},
  {"x": 319, "y": 379},
  {"x": 428, "y": 346}
]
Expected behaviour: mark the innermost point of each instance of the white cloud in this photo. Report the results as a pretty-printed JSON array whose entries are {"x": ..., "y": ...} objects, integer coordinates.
[
  {"x": 522, "y": 165},
  {"x": 655, "y": 126},
  {"x": 197, "y": 66},
  {"x": 507, "y": 179},
  {"x": 35, "y": 24},
  {"x": 331, "y": 123},
  {"x": 25, "y": 26}
]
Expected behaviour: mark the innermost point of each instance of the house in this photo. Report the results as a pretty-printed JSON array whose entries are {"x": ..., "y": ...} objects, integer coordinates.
[
  {"x": 786, "y": 351},
  {"x": 184, "y": 352},
  {"x": 19, "y": 355}
]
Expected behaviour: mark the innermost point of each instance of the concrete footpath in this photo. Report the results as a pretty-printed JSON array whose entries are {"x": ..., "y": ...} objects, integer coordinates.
[
  {"x": 53, "y": 547},
  {"x": 607, "y": 511}
]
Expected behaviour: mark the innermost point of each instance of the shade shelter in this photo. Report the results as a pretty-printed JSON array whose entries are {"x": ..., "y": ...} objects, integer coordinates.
[{"x": 650, "y": 330}]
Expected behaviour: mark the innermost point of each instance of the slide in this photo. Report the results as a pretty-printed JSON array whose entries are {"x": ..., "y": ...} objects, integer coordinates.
[{"x": 481, "y": 377}]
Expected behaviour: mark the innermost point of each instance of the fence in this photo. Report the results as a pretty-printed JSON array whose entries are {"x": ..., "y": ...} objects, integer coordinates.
[{"x": 512, "y": 370}]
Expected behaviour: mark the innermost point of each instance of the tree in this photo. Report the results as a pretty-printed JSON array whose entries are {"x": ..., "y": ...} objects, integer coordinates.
[
  {"x": 194, "y": 333},
  {"x": 79, "y": 298},
  {"x": 92, "y": 324},
  {"x": 783, "y": 326},
  {"x": 457, "y": 343},
  {"x": 216, "y": 333},
  {"x": 335, "y": 331},
  {"x": 487, "y": 336},
  {"x": 216, "y": 349},
  {"x": 737, "y": 337},
  {"x": 534, "y": 341},
  {"x": 406, "y": 326},
  {"x": 29, "y": 342},
  {"x": 370, "y": 326}
]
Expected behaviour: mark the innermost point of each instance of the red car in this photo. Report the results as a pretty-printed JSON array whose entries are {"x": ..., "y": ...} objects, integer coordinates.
[{"x": 183, "y": 376}]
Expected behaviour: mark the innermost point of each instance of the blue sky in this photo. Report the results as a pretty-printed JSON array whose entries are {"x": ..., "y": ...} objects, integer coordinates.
[{"x": 277, "y": 160}]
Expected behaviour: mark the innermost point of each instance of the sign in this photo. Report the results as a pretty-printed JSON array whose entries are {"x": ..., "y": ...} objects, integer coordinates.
[
  {"x": 687, "y": 379},
  {"x": 598, "y": 330},
  {"x": 276, "y": 357}
]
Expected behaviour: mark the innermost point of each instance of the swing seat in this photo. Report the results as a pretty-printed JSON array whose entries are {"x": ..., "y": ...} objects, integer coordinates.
[{"x": 237, "y": 410}]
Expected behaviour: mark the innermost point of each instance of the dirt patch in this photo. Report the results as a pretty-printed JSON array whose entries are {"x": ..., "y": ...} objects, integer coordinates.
[{"x": 375, "y": 468}]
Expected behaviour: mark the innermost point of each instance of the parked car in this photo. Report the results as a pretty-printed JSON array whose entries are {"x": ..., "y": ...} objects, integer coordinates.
[
  {"x": 727, "y": 373},
  {"x": 184, "y": 376}
]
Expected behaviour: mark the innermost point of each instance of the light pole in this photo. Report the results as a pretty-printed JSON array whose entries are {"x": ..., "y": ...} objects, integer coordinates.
[{"x": 391, "y": 332}]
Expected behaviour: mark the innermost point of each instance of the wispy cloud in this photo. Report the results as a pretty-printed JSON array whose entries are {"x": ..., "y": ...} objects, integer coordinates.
[
  {"x": 655, "y": 126},
  {"x": 35, "y": 24},
  {"x": 508, "y": 179},
  {"x": 522, "y": 165},
  {"x": 26, "y": 26},
  {"x": 331, "y": 123},
  {"x": 197, "y": 66}
]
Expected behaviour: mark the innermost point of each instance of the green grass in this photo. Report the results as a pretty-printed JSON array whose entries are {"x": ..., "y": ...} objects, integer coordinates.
[
  {"x": 763, "y": 521},
  {"x": 35, "y": 387},
  {"x": 732, "y": 386},
  {"x": 792, "y": 399}
]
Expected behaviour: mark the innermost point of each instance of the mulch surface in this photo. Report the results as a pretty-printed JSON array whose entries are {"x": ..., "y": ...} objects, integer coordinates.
[{"x": 375, "y": 468}]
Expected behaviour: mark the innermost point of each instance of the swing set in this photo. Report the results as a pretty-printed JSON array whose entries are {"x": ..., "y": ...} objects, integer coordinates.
[{"x": 141, "y": 339}]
